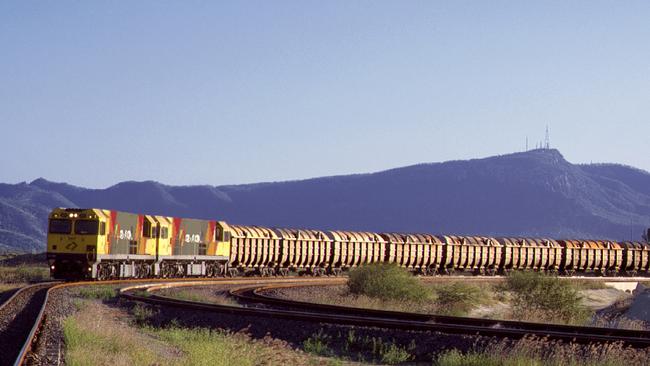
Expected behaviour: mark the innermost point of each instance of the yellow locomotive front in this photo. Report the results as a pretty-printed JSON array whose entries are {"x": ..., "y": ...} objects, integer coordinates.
[{"x": 74, "y": 238}]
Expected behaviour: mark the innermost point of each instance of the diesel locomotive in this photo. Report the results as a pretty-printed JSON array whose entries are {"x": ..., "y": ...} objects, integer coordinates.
[{"x": 105, "y": 244}]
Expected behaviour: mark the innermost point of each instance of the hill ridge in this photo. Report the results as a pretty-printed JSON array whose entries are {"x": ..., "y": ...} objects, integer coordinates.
[{"x": 532, "y": 193}]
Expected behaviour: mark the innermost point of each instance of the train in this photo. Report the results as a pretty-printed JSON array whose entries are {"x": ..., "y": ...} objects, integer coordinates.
[{"x": 106, "y": 244}]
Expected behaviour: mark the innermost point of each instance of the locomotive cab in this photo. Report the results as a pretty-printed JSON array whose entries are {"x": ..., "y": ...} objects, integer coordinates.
[{"x": 74, "y": 238}]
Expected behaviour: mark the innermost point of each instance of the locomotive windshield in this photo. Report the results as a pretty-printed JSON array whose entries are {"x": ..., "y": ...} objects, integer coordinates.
[
  {"x": 86, "y": 227},
  {"x": 60, "y": 226}
]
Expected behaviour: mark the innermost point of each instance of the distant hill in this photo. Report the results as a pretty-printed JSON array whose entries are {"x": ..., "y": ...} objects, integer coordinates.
[{"x": 534, "y": 193}]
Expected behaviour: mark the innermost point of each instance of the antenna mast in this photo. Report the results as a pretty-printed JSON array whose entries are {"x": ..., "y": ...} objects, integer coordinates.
[{"x": 547, "y": 140}]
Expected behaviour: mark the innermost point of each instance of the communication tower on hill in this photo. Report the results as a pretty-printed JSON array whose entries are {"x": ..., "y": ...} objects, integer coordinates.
[{"x": 547, "y": 140}]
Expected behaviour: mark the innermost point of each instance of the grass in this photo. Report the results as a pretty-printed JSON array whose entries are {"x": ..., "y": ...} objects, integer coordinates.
[
  {"x": 457, "y": 298},
  {"x": 101, "y": 335},
  {"x": 4, "y": 287},
  {"x": 542, "y": 298},
  {"x": 203, "y": 346},
  {"x": 318, "y": 344},
  {"x": 589, "y": 285},
  {"x": 92, "y": 339},
  {"x": 104, "y": 292},
  {"x": 386, "y": 282},
  {"x": 352, "y": 346},
  {"x": 206, "y": 295},
  {"x": 23, "y": 273},
  {"x": 544, "y": 353}
]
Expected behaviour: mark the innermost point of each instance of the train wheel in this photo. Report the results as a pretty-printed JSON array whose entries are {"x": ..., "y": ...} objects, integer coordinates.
[{"x": 103, "y": 272}]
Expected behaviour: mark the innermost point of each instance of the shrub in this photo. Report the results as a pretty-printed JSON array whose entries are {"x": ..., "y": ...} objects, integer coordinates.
[
  {"x": 386, "y": 282},
  {"x": 458, "y": 298},
  {"x": 546, "y": 298}
]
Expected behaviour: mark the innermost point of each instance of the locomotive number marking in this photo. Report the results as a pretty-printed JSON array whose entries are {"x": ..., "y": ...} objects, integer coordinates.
[
  {"x": 126, "y": 234},
  {"x": 192, "y": 238}
]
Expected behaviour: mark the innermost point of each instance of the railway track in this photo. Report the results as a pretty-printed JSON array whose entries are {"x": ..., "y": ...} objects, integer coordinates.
[
  {"x": 256, "y": 294},
  {"x": 20, "y": 316},
  {"x": 396, "y": 320}
]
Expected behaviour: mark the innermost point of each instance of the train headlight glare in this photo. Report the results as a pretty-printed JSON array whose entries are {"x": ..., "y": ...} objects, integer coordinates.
[
  {"x": 90, "y": 269},
  {"x": 71, "y": 215},
  {"x": 52, "y": 267}
]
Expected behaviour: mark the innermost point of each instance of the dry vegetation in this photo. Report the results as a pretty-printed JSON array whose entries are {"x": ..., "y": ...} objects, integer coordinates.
[
  {"x": 200, "y": 294},
  {"x": 349, "y": 346},
  {"x": 540, "y": 352},
  {"x": 526, "y": 296},
  {"x": 23, "y": 274},
  {"x": 100, "y": 333}
]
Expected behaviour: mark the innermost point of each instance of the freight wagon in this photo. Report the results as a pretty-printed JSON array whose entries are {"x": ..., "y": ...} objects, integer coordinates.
[{"x": 103, "y": 244}]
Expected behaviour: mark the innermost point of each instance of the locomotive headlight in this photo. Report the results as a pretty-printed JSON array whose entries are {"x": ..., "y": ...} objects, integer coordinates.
[
  {"x": 71, "y": 215},
  {"x": 52, "y": 267},
  {"x": 90, "y": 269}
]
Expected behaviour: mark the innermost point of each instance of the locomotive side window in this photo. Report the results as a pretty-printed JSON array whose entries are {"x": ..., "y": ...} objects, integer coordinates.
[
  {"x": 146, "y": 228},
  {"x": 102, "y": 228},
  {"x": 60, "y": 226},
  {"x": 86, "y": 227},
  {"x": 226, "y": 236},
  {"x": 163, "y": 233},
  {"x": 218, "y": 234}
]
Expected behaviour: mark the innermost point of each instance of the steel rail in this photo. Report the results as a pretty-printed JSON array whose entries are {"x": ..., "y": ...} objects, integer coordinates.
[
  {"x": 256, "y": 294},
  {"x": 26, "y": 348},
  {"x": 45, "y": 286},
  {"x": 17, "y": 292},
  {"x": 385, "y": 323}
]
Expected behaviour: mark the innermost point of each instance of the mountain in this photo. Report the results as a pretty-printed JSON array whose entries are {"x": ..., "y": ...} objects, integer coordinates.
[{"x": 533, "y": 193}]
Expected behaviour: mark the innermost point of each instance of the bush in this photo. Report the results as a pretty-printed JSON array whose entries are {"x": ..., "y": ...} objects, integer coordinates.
[
  {"x": 458, "y": 298},
  {"x": 386, "y": 282},
  {"x": 546, "y": 298}
]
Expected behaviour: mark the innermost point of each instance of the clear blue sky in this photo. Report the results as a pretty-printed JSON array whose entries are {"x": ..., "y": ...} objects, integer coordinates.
[{"x": 93, "y": 93}]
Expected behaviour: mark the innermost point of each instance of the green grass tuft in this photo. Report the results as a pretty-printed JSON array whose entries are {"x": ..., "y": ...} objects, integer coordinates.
[
  {"x": 203, "y": 346},
  {"x": 89, "y": 347},
  {"x": 104, "y": 292}
]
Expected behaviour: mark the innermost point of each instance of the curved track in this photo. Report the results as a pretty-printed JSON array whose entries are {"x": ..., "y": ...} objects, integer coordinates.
[
  {"x": 23, "y": 314},
  {"x": 19, "y": 317},
  {"x": 395, "y": 320},
  {"x": 257, "y": 294}
]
